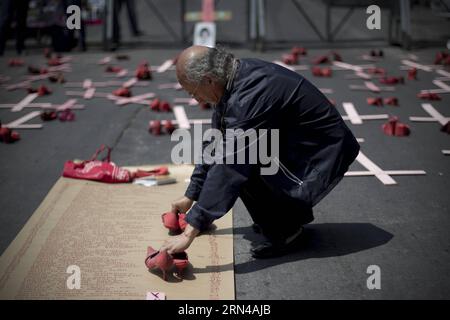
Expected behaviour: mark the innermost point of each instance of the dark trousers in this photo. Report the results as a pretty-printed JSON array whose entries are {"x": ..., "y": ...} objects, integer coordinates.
[
  {"x": 278, "y": 215},
  {"x": 132, "y": 18},
  {"x": 10, "y": 9}
]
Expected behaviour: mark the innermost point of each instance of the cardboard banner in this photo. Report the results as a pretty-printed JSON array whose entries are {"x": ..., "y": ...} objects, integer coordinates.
[{"x": 101, "y": 233}]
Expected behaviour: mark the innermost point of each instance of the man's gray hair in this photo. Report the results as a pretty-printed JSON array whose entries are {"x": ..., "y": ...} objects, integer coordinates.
[{"x": 215, "y": 62}]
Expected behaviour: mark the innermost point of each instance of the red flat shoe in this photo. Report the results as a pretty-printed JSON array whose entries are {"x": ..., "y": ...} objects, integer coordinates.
[{"x": 158, "y": 260}]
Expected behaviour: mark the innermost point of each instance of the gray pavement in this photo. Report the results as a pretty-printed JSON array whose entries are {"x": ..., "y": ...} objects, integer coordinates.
[{"x": 403, "y": 229}]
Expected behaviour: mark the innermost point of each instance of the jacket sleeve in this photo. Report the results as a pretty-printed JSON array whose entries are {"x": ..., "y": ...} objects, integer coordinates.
[{"x": 220, "y": 189}]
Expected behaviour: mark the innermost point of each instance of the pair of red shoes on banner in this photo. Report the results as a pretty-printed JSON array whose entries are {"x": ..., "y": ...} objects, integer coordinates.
[
  {"x": 161, "y": 259},
  {"x": 7, "y": 135}
]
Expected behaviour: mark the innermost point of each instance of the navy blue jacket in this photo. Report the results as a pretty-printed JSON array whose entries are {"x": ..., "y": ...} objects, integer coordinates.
[{"x": 316, "y": 146}]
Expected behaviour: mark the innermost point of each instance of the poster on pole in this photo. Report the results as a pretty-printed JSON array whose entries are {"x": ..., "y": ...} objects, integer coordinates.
[{"x": 205, "y": 34}]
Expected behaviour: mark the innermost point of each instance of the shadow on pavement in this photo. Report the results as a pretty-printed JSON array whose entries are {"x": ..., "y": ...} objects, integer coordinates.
[{"x": 320, "y": 241}]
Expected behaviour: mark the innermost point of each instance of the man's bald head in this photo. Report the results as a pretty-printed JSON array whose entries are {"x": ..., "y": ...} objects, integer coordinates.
[
  {"x": 204, "y": 72},
  {"x": 189, "y": 55}
]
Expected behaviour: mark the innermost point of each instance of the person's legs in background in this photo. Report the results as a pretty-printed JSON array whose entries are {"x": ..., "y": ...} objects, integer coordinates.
[
  {"x": 21, "y": 8},
  {"x": 117, "y": 5},
  {"x": 5, "y": 22},
  {"x": 132, "y": 17}
]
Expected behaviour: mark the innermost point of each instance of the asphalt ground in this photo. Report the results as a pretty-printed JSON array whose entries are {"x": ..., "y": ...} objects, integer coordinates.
[{"x": 403, "y": 229}]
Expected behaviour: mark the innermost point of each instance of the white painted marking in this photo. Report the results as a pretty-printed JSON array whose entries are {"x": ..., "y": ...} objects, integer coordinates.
[
  {"x": 181, "y": 117},
  {"x": 165, "y": 66},
  {"x": 23, "y": 119},
  {"x": 352, "y": 113},
  {"x": 27, "y": 100},
  {"x": 89, "y": 93},
  {"x": 417, "y": 65},
  {"x": 434, "y": 113},
  {"x": 130, "y": 83}
]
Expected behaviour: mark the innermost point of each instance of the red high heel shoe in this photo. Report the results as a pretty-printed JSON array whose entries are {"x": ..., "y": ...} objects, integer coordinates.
[
  {"x": 164, "y": 261},
  {"x": 174, "y": 222},
  {"x": 158, "y": 259}
]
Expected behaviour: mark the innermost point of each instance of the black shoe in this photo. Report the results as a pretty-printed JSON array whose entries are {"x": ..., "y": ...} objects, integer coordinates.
[{"x": 269, "y": 249}]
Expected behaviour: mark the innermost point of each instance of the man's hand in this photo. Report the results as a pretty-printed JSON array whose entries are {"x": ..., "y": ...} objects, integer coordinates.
[
  {"x": 181, "y": 242},
  {"x": 182, "y": 205}
]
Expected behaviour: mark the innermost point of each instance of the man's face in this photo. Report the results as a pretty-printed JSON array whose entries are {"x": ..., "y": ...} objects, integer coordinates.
[{"x": 206, "y": 91}]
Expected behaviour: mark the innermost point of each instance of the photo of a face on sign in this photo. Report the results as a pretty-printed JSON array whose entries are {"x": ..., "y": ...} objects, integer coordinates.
[{"x": 205, "y": 34}]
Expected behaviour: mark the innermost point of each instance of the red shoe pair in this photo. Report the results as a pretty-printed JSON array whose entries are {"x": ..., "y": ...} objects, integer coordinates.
[
  {"x": 290, "y": 58},
  {"x": 113, "y": 69},
  {"x": 66, "y": 115},
  {"x": 429, "y": 96},
  {"x": 8, "y": 136},
  {"x": 392, "y": 80},
  {"x": 16, "y": 62},
  {"x": 174, "y": 222},
  {"x": 155, "y": 127},
  {"x": 122, "y": 92},
  {"x": 164, "y": 261},
  {"x": 395, "y": 128},
  {"x": 321, "y": 72},
  {"x": 157, "y": 105},
  {"x": 41, "y": 91},
  {"x": 48, "y": 115},
  {"x": 392, "y": 101},
  {"x": 143, "y": 72}
]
